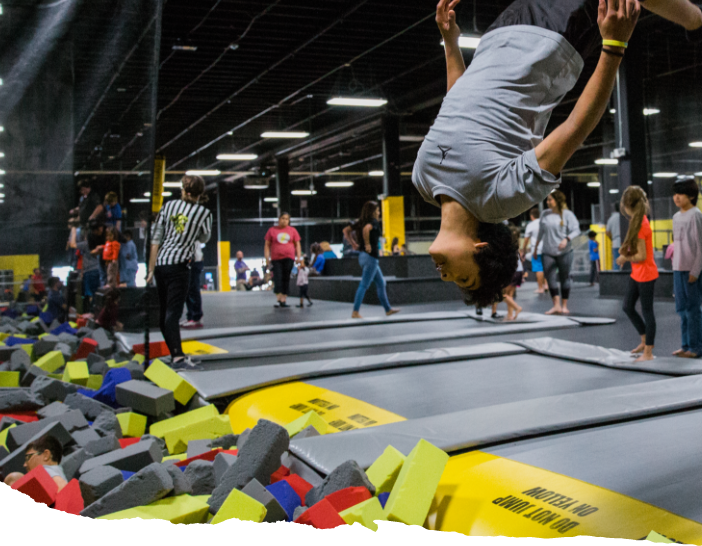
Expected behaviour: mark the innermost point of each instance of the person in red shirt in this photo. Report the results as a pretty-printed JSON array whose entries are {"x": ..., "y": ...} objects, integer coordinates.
[
  {"x": 281, "y": 249},
  {"x": 110, "y": 255},
  {"x": 637, "y": 248},
  {"x": 38, "y": 284}
]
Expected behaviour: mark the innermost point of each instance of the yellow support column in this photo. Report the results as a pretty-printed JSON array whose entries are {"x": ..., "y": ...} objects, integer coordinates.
[
  {"x": 223, "y": 256},
  {"x": 159, "y": 179},
  {"x": 393, "y": 209}
]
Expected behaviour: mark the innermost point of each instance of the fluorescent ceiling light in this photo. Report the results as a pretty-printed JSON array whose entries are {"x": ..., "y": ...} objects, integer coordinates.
[
  {"x": 348, "y": 101},
  {"x": 607, "y": 161},
  {"x": 2, "y": 186},
  {"x": 467, "y": 42},
  {"x": 339, "y": 184},
  {"x": 376, "y": 173},
  {"x": 410, "y": 138},
  {"x": 2, "y": 154},
  {"x": 1, "y": 128},
  {"x": 593, "y": 184},
  {"x": 270, "y": 199},
  {"x": 203, "y": 173},
  {"x": 140, "y": 200},
  {"x": 255, "y": 186},
  {"x": 178, "y": 185},
  {"x": 665, "y": 175},
  {"x": 236, "y": 157},
  {"x": 614, "y": 191},
  {"x": 184, "y": 48},
  {"x": 696, "y": 174},
  {"x": 166, "y": 194},
  {"x": 651, "y": 111},
  {"x": 696, "y": 144},
  {"x": 275, "y": 134},
  {"x": 2, "y": 196},
  {"x": 612, "y": 111},
  {"x": 303, "y": 192},
  {"x": 147, "y": 194},
  {"x": 2, "y": 172}
]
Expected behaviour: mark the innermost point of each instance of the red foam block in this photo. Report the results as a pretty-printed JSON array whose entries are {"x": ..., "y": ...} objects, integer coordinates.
[
  {"x": 346, "y": 498},
  {"x": 125, "y": 442},
  {"x": 209, "y": 456},
  {"x": 38, "y": 485},
  {"x": 24, "y": 416},
  {"x": 86, "y": 347},
  {"x": 300, "y": 486},
  {"x": 157, "y": 349},
  {"x": 69, "y": 499},
  {"x": 280, "y": 474},
  {"x": 321, "y": 516}
]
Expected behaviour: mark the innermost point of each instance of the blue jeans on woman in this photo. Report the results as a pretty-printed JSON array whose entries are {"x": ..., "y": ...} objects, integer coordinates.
[
  {"x": 688, "y": 298},
  {"x": 371, "y": 274}
]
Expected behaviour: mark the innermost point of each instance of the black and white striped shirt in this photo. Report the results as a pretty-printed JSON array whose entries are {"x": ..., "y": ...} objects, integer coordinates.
[{"x": 177, "y": 227}]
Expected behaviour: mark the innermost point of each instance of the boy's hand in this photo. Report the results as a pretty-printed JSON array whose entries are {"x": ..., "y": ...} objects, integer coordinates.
[
  {"x": 617, "y": 19},
  {"x": 621, "y": 261},
  {"x": 446, "y": 20}
]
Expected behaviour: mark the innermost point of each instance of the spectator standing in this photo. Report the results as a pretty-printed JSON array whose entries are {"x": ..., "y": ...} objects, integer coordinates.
[
  {"x": 38, "y": 284},
  {"x": 193, "y": 303},
  {"x": 128, "y": 260},
  {"x": 241, "y": 268},
  {"x": 56, "y": 302},
  {"x": 89, "y": 207},
  {"x": 687, "y": 267},
  {"x": 89, "y": 251},
  {"x": 594, "y": 249},
  {"x": 110, "y": 255},
  {"x": 177, "y": 227},
  {"x": 368, "y": 230},
  {"x": 349, "y": 244},
  {"x": 558, "y": 227},
  {"x": 281, "y": 248},
  {"x": 530, "y": 237},
  {"x": 614, "y": 233},
  {"x": 113, "y": 211}
]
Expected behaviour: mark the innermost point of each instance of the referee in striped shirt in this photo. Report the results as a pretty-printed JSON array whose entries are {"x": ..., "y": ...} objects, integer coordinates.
[{"x": 179, "y": 225}]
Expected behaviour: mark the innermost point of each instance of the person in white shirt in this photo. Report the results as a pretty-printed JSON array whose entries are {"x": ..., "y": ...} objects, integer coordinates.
[
  {"x": 614, "y": 234},
  {"x": 530, "y": 236},
  {"x": 303, "y": 281}
]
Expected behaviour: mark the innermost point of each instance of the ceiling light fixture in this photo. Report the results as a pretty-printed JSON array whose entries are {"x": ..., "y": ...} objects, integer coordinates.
[
  {"x": 184, "y": 48},
  {"x": 2, "y": 128},
  {"x": 2, "y": 172},
  {"x": 270, "y": 199},
  {"x": 236, "y": 157},
  {"x": 376, "y": 173},
  {"x": 665, "y": 175},
  {"x": 696, "y": 144},
  {"x": 593, "y": 184},
  {"x": 348, "y": 101},
  {"x": 411, "y": 138},
  {"x": 140, "y": 200},
  {"x": 277, "y": 134},
  {"x": 203, "y": 173},
  {"x": 698, "y": 174},
  {"x": 614, "y": 191},
  {"x": 339, "y": 184},
  {"x": 303, "y": 192},
  {"x": 2, "y": 154},
  {"x": 651, "y": 111},
  {"x": 178, "y": 185},
  {"x": 255, "y": 186},
  {"x": 607, "y": 161}
]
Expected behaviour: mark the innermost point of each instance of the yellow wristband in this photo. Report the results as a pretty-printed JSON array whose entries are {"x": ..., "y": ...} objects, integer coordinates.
[{"x": 615, "y": 43}]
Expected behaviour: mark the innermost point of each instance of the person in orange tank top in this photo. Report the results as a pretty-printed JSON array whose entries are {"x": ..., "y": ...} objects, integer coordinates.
[
  {"x": 637, "y": 249},
  {"x": 110, "y": 254}
]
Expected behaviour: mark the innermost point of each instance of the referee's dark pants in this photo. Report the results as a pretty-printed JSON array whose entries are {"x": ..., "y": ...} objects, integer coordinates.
[{"x": 172, "y": 283}]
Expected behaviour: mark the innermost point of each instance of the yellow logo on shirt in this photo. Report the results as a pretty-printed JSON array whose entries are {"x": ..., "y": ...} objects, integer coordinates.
[
  {"x": 283, "y": 238},
  {"x": 179, "y": 221}
]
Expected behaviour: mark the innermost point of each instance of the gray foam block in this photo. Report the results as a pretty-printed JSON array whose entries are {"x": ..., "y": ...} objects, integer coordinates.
[
  {"x": 84, "y": 331},
  {"x": 160, "y": 441},
  {"x": 107, "y": 423},
  {"x": 54, "y": 324},
  {"x": 146, "y": 486},
  {"x": 69, "y": 339},
  {"x": 31, "y": 374},
  {"x": 99, "y": 482},
  {"x": 136, "y": 369},
  {"x": 225, "y": 442},
  {"x": 71, "y": 463},
  {"x": 132, "y": 458},
  {"x": 9, "y": 421},
  {"x": 97, "y": 367},
  {"x": 241, "y": 440},
  {"x": 145, "y": 398},
  {"x": 17, "y": 400},
  {"x": 197, "y": 447},
  {"x": 14, "y": 462},
  {"x": 105, "y": 346},
  {"x": 222, "y": 463},
  {"x": 200, "y": 474},
  {"x": 3, "y": 452},
  {"x": 65, "y": 350},
  {"x": 85, "y": 436},
  {"x": 71, "y": 420},
  {"x": 20, "y": 361},
  {"x": 7, "y": 352},
  {"x": 274, "y": 511},
  {"x": 5, "y": 366},
  {"x": 87, "y": 406},
  {"x": 347, "y": 474},
  {"x": 103, "y": 445},
  {"x": 30, "y": 328},
  {"x": 259, "y": 458},
  {"x": 299, "y": 511},
  {"x": 308, "y": 432},
  {"x": 181, "y": 484},
  {"x": 53, "y": 410},
  {"x": 50, "y": 389},
  {"x": 303, "y": 470},
  {"x": 45, "y": 345}
]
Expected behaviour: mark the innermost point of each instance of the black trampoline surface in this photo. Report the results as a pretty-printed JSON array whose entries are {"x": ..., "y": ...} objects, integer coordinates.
[
  {"x": 421, "y": 391},
  {"x": 656, "y": 460}
]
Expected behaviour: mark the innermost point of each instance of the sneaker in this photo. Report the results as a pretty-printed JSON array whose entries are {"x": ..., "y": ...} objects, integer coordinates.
[
  {"x": 183, "y": 322},
  {"x": 299, "y": 306},
  {"x": 496, "y": 316},
  {"x": 283, "y": 305},
  {"x": 193, "y": 324},
  {"x": 188, "y": 364},
  {"x": 479, "y": 311},
  {"x": 309, "y": 304}
]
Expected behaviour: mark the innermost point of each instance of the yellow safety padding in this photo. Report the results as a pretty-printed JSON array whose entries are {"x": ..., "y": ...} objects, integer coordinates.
[
  {"x": 224, "y": 254},
  {"x": 199, "y": 348},
  {"x": 662, "y": 233},
  {"x": 285, "y": 403},
  {"x": 22, "y": 267},
  {"x": 483, "y": 495},
  {"x": 159, "y": 179},
  {"x": 393, "y": 209},
  {"x": 605, "y": 243}
]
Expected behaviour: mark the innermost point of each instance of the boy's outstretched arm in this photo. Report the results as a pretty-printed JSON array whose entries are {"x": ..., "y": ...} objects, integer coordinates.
[
  {"x": 615, "y": 24},
  {"x": 446, "y": 20}
]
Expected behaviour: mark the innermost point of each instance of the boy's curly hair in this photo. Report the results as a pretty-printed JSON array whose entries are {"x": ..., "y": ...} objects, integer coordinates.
[{"x": 497, "y": 263}]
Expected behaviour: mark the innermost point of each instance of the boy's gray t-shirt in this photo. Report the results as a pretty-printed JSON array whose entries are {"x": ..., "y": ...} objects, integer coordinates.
[
  {"x": 480, "y": 150},
  {"x": 90, "y": 261}
]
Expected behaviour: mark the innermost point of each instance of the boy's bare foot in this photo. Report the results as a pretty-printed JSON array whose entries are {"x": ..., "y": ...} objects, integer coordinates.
[
  {"x": 645, "y": 357},
  {"x": 554, "y": 311},
  {"x": 638, "y": 350},
  {"x": 392, "y": 312},
  {"x": 565, "y": 311},
  {"x": 516, "y": 312},
  {"x": 356, "y": 314}
]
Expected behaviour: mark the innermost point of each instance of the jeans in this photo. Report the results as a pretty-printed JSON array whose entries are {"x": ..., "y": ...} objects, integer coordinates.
[
  {"x": 194, "y": 301},
  {"x": 557, "y": 268},
  {"x": 129, "y": 277},
  {"x": 594, "y": 271},
  {"x": 687, "y": 305},
  {"x": 172, "y": 282},
  {"x": 647, "y": 324},
  {"x": 371, "y": 274},
  {"x": 615, "y": 255}
]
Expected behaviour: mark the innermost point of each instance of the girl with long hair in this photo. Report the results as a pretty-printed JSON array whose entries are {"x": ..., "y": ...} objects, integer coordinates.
[
  {"x": 557, "y": 229},
  {"x": 367, "y": 231},
  {"x": 637, "y": 249}
]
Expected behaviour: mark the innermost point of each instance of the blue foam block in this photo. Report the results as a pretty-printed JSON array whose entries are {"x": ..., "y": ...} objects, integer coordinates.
[
  {"x": 286, "y": 497},
  {"x": 383, "y": 498},
  {"x": 107, "y": 392},
  {"x": 65, "y": 328},
  {"x": 47, "y": 317},
  {"x": 126, "y": 474},
  {"x": 32, "y": 310},
  {"x": 12, "y": 341},
  {"x": 10, "y": 313}
]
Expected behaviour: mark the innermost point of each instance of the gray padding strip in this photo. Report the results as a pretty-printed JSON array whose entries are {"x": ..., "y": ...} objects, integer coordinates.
[
  {"x": 216, "y": 384},
  {"x": 473, "y": 428},
  {"x": 535, "y": 317},
  {"x": 612, "y": 358}
]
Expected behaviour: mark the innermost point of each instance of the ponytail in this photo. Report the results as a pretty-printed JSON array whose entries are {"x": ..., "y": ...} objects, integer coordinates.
[
  {"x": 560, "y": 199},
  {"x": 633, "y": 201}
]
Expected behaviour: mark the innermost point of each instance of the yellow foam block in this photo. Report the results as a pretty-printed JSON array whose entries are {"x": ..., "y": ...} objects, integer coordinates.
[
  {"x": 201, "y": 414},
  {"x": 139, "y": 358},
  {"x": 215, "y": 427},
  {"x": 180, "y": 509},
  {"x": 365, "y": 513},
  {"x": 58, "y": 376},
  {"x": 384, "y": 471},
  {"x": 166, "y": 378},
  {"x": 29, "y": 349},
  {"x": 3, "y": 435},
  {"x": 176, "y": 458},
  {"x": 4, "y": 336},
  {"x": 311, "y": 418},
  {"x": 656, "y": 537},
  {"x": 240, "y": 506},
  {"x": 21, "y": 336},
  {"x": 36, "y": 319},
  {"x": 133, "y": 424},
  {"x": 42, "y": 336},
  {"x": 9, "y": 379},
  {"x": 2, "y": 344},
  {"x": 73, "y": 325},
  {"x": 76, "y": 372},
  {"x": 113, "y": 364},
  {"x": 411, "y": 497},
  {"x": 94, "y": 382},
  {"x": 50, "y": 362}
]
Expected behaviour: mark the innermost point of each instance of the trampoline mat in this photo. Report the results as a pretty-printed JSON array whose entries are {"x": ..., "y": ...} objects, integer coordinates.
[{"x": 422, "y": 391}]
